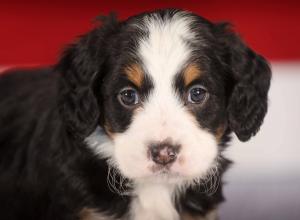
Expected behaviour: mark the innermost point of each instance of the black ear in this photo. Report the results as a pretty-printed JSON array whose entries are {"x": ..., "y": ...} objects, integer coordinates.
[
  {"x": 79, "y": 66},
  {"x": 251, "y": 74}
]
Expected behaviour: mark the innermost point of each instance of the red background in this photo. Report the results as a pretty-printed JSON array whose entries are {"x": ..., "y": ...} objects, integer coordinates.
[{"x": 35, "y": 32}]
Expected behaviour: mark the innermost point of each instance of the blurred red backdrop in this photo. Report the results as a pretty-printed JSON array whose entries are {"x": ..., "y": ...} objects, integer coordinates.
[{"x": 34, "y": 32}]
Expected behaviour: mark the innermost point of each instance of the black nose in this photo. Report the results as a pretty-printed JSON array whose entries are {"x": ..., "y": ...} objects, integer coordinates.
[{"x": 163, "y": 153}]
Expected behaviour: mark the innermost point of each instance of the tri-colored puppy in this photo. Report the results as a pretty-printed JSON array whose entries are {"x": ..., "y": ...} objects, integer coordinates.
[{"x": 131, "y": 123}]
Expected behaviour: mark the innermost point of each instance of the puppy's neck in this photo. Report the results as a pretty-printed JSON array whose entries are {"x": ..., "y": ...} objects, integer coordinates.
[{"x": 154, "y": 201}]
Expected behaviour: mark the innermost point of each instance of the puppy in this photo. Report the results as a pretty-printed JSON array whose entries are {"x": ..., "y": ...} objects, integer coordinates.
[{"x": 131, "y": 123}]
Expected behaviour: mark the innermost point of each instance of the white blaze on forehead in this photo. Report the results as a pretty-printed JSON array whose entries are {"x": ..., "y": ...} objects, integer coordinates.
[{"x": 164, "y": 51}]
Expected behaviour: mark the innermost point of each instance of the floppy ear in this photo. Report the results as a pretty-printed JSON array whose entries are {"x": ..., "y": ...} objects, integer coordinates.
[
  {"x": 251, "y": 73},
  {"x": 79, "y": 66}
]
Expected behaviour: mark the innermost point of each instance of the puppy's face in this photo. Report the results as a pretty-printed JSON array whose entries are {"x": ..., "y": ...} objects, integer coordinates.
[
  {"x": 163, "y": 101},
  {"x": 169, "y": 87}
]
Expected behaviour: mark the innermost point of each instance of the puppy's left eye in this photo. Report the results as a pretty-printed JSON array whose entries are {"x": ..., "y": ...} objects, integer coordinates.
[
  {"x": 128, "y": 97},
  {"x": 197, "y": 94}
]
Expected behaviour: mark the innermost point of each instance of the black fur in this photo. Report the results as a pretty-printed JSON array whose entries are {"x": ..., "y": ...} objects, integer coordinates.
[
  {"x": 46, "y": 169},
  {"x": 251, "y": 74}
]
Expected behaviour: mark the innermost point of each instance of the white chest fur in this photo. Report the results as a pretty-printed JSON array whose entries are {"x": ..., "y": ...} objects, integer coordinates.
[{"x": 153, "y": 202}]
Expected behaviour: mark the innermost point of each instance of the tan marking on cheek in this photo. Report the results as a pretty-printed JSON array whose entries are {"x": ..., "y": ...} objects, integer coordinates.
[
  {"x": 135, "y": 74},
  {"x": 90, "y": 214},
  {"x": 108, "y": 129},
  {"x": 220, "y": 132},
  {"x": 191, "y": 73}
]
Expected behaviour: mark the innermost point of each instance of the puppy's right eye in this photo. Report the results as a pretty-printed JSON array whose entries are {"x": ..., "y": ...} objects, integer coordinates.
[{"x": 128, "y": 97}]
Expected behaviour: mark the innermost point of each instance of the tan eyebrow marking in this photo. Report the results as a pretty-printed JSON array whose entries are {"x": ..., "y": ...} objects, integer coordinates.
[
  {"x": 191, "y": 73},
  {"x": 135, "y": 74}
]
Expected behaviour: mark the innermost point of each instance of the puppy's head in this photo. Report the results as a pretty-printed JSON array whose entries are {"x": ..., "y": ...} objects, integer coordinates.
[{"x": 166, "y": 87}]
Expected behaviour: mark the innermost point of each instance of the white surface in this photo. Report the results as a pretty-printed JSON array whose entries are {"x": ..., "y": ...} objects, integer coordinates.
[{"x": 264, "y": 181}]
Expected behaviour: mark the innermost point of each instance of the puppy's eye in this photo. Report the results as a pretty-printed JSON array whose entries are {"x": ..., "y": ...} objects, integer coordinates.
[
  {"x": 128, "y": 97},
  {"x": 197, "y": 94}
]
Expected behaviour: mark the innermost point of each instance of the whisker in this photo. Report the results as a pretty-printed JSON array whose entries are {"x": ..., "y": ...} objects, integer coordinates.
[{"x": 117, "y": 183}]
